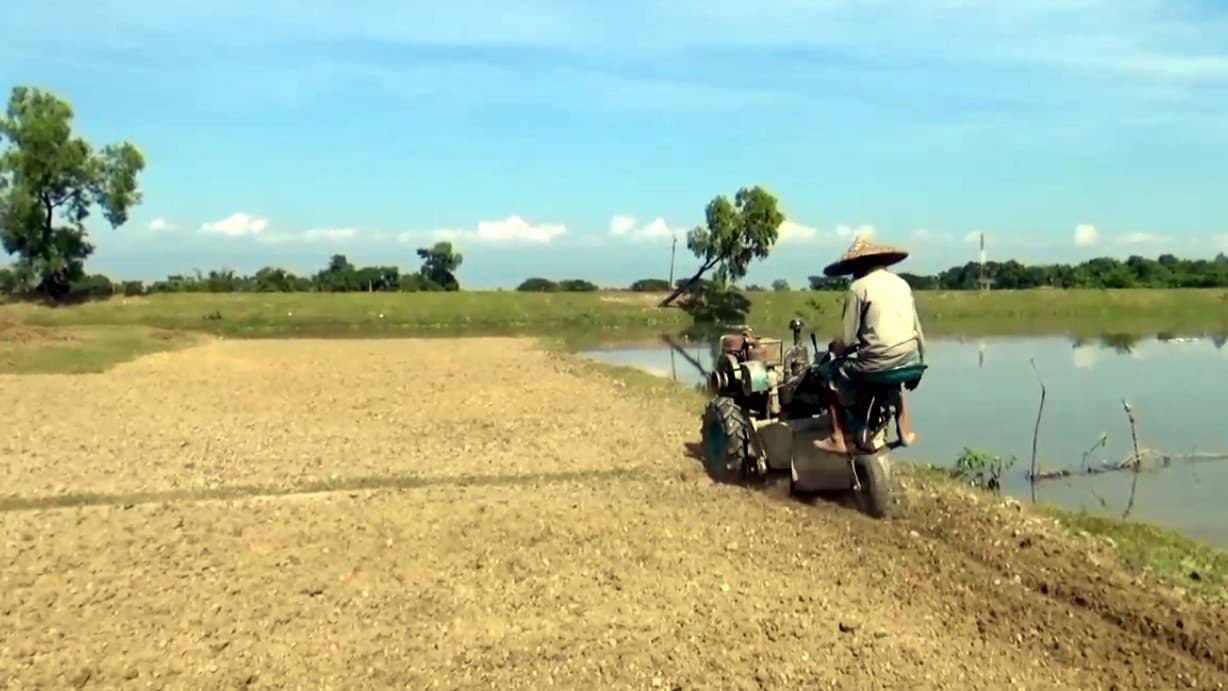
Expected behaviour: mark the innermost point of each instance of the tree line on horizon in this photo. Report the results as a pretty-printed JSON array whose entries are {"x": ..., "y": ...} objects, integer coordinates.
[
  {"x": 50, "y": 181},
  {"x": 440, "y": 262}
]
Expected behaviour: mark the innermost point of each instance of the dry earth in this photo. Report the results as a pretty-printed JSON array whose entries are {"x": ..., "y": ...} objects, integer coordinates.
[{"x": 501, "y": 517}]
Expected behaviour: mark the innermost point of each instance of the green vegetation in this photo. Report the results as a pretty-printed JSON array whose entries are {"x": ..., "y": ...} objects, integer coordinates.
[
  {"x": 441, "y": 262},
  {"x": 980, "y": 469},
  {"x": 545, "y": 285},
  {"x": 81, "y": 349},
  {"x": 736, "y": 233},
  {"x": 49, "y": 181},
  {"x": 1166, "y": 271},
  {"x": 1119, "y": 315}
]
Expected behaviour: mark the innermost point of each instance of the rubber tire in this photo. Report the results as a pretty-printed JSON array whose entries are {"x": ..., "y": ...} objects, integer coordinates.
[
  {"x": 803, "y": 495},
  {"x": 723, "y": 414},
  {"x": 874, "y": 499}
]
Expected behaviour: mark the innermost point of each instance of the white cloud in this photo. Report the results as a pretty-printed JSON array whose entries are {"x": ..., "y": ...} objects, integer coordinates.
[
  {"x": 512, "y": 229},
  {"x": 1086, "y": 235},
  {"x": 864, "y": 230},
  {"x": 791, "y": 232},
  {"x": 657, "y": 229},
  {"x": 623, "y": 226},
  {"x": 160, "y": 223},
  {"x": 515, "y": 228},
  {"x": 315, "y": 235},
  {"x": 628, "y": 227},
  {"x": 237, "y": 225},
  {"x": 1139, "y": 238}
]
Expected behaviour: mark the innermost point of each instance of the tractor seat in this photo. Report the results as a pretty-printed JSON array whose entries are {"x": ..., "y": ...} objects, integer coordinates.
[{"x": 903, "y": 375}]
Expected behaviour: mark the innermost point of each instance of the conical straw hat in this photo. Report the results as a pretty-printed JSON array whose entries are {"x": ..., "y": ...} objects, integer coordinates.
[{"x": 863, "y": 251}]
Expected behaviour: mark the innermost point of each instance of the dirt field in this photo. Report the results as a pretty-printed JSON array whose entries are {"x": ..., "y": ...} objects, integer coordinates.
[{"x": 501, "y": 517}]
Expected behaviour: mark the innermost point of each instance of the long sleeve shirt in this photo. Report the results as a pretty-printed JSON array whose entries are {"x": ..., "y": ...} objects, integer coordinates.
[{"x": 880, "y": 320}]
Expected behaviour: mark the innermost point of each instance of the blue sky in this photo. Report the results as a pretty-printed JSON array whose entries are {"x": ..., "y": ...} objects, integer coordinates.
[{"x": 572, "y": 139}]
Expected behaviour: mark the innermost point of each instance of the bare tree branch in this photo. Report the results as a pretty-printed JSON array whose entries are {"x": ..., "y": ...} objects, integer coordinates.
[
  {"x": 1036, "y": 430},
  {"x": 1138, "y": 457}
]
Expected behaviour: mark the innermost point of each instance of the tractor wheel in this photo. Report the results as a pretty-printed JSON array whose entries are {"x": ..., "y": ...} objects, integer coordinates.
[
  {"x": 726, "y": 440},
  {"x": 874, "y": 475}
]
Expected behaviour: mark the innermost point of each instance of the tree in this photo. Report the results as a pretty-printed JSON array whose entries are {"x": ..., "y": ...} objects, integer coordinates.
[
  {"x": 577, "y": 285},
  {"x": 538, "y": 284},
  {"x": 780, "y": 285},
  {"x": 439, "y": 265},
  {"x": 650, "y": 285},
  {"x": 340, "y": 276},
  {"x": 414, "y": 283},
  {"x": 49, "y": 181},
  {"x": 828, "y": 282},
  {"x": 735, "y": 234}
]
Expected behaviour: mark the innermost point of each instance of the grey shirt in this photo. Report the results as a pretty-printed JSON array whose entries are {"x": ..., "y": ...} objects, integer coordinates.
[{"x": 880, "y": 319}]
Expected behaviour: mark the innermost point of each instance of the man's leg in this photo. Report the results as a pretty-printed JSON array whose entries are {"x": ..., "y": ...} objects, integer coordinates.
[
  {"x": 838, "y": 396},
  {"x": 855, "y": 394}
]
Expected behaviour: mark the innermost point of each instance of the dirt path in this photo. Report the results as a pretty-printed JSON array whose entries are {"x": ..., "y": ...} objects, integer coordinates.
[{"x": 505, "y": 519}]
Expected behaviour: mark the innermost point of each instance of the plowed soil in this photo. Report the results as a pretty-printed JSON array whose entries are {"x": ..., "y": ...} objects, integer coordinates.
[{"x": 483, "y": 514}]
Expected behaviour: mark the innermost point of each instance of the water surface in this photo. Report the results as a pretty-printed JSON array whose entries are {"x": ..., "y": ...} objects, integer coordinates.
[{"x": 984, "y": 394}]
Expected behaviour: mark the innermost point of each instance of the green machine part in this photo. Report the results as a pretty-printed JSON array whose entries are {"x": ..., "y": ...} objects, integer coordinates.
[{"x": 754, "y": 377}]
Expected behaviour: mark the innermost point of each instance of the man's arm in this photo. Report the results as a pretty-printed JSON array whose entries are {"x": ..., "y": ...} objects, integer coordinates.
[
  {"x": 851, "y": 323},
  {"x": 916, "y": 318}
]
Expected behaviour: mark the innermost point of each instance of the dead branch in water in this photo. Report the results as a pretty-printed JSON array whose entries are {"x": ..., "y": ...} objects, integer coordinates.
[
  {"x": 1132, "y": 462},
  {"x": 1138, "y": 457},
  {"x": 1036, "y": 429}
]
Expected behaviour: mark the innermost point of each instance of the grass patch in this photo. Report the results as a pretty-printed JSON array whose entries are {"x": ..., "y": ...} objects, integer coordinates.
[
  {"x": 622, "y": 314},
  {"x": 1165, "y": 553},
  {"x": 360, "y": 314},
  {"x": 93, "y": 336},
  {"x": 81, "y": 349},
  {"x": 1088, "y": 313}
]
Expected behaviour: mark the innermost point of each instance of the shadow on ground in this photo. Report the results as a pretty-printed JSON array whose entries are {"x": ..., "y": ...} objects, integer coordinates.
[{"x": 776, "y": 485}]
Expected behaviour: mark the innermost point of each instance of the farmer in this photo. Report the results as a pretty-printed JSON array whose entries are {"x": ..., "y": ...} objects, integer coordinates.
[{"x": 881, "y": 328}]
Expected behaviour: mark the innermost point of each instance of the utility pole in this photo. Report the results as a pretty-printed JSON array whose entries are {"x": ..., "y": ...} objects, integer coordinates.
[
  {"x": 984, "y": 278},
  {"x": 673, "y": 249}
]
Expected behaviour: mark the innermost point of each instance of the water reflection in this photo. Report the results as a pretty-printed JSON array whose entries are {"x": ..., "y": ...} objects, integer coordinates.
[
  {"x": 1085, "y": 355},
  {"x": 983, "y": 394}
]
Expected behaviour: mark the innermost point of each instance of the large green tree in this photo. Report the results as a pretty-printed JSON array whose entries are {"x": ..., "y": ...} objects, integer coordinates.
[
  {"x": 439, "y": 265},
  {"x": 735, "y": 234},
  {"x": 49, "y": 182}
]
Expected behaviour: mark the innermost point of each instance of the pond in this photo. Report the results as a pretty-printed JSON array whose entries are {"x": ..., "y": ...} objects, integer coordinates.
[{"x": 983, "y": 394}]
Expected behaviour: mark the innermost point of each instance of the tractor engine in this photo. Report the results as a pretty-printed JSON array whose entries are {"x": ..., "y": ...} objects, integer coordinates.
[{"x": 752, "y": 370}]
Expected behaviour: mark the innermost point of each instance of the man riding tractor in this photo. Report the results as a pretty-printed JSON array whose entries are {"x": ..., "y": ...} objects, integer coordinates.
[{"x": 881, "y": 334}]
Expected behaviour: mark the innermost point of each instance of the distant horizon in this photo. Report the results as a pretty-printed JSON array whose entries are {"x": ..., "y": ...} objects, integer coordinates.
[{"x": 758, "y": 275}]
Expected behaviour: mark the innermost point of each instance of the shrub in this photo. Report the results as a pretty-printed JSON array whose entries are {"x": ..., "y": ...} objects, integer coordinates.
[
  {"x": 537, "y": 284},
  {"x": 650, "y": 285}
]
